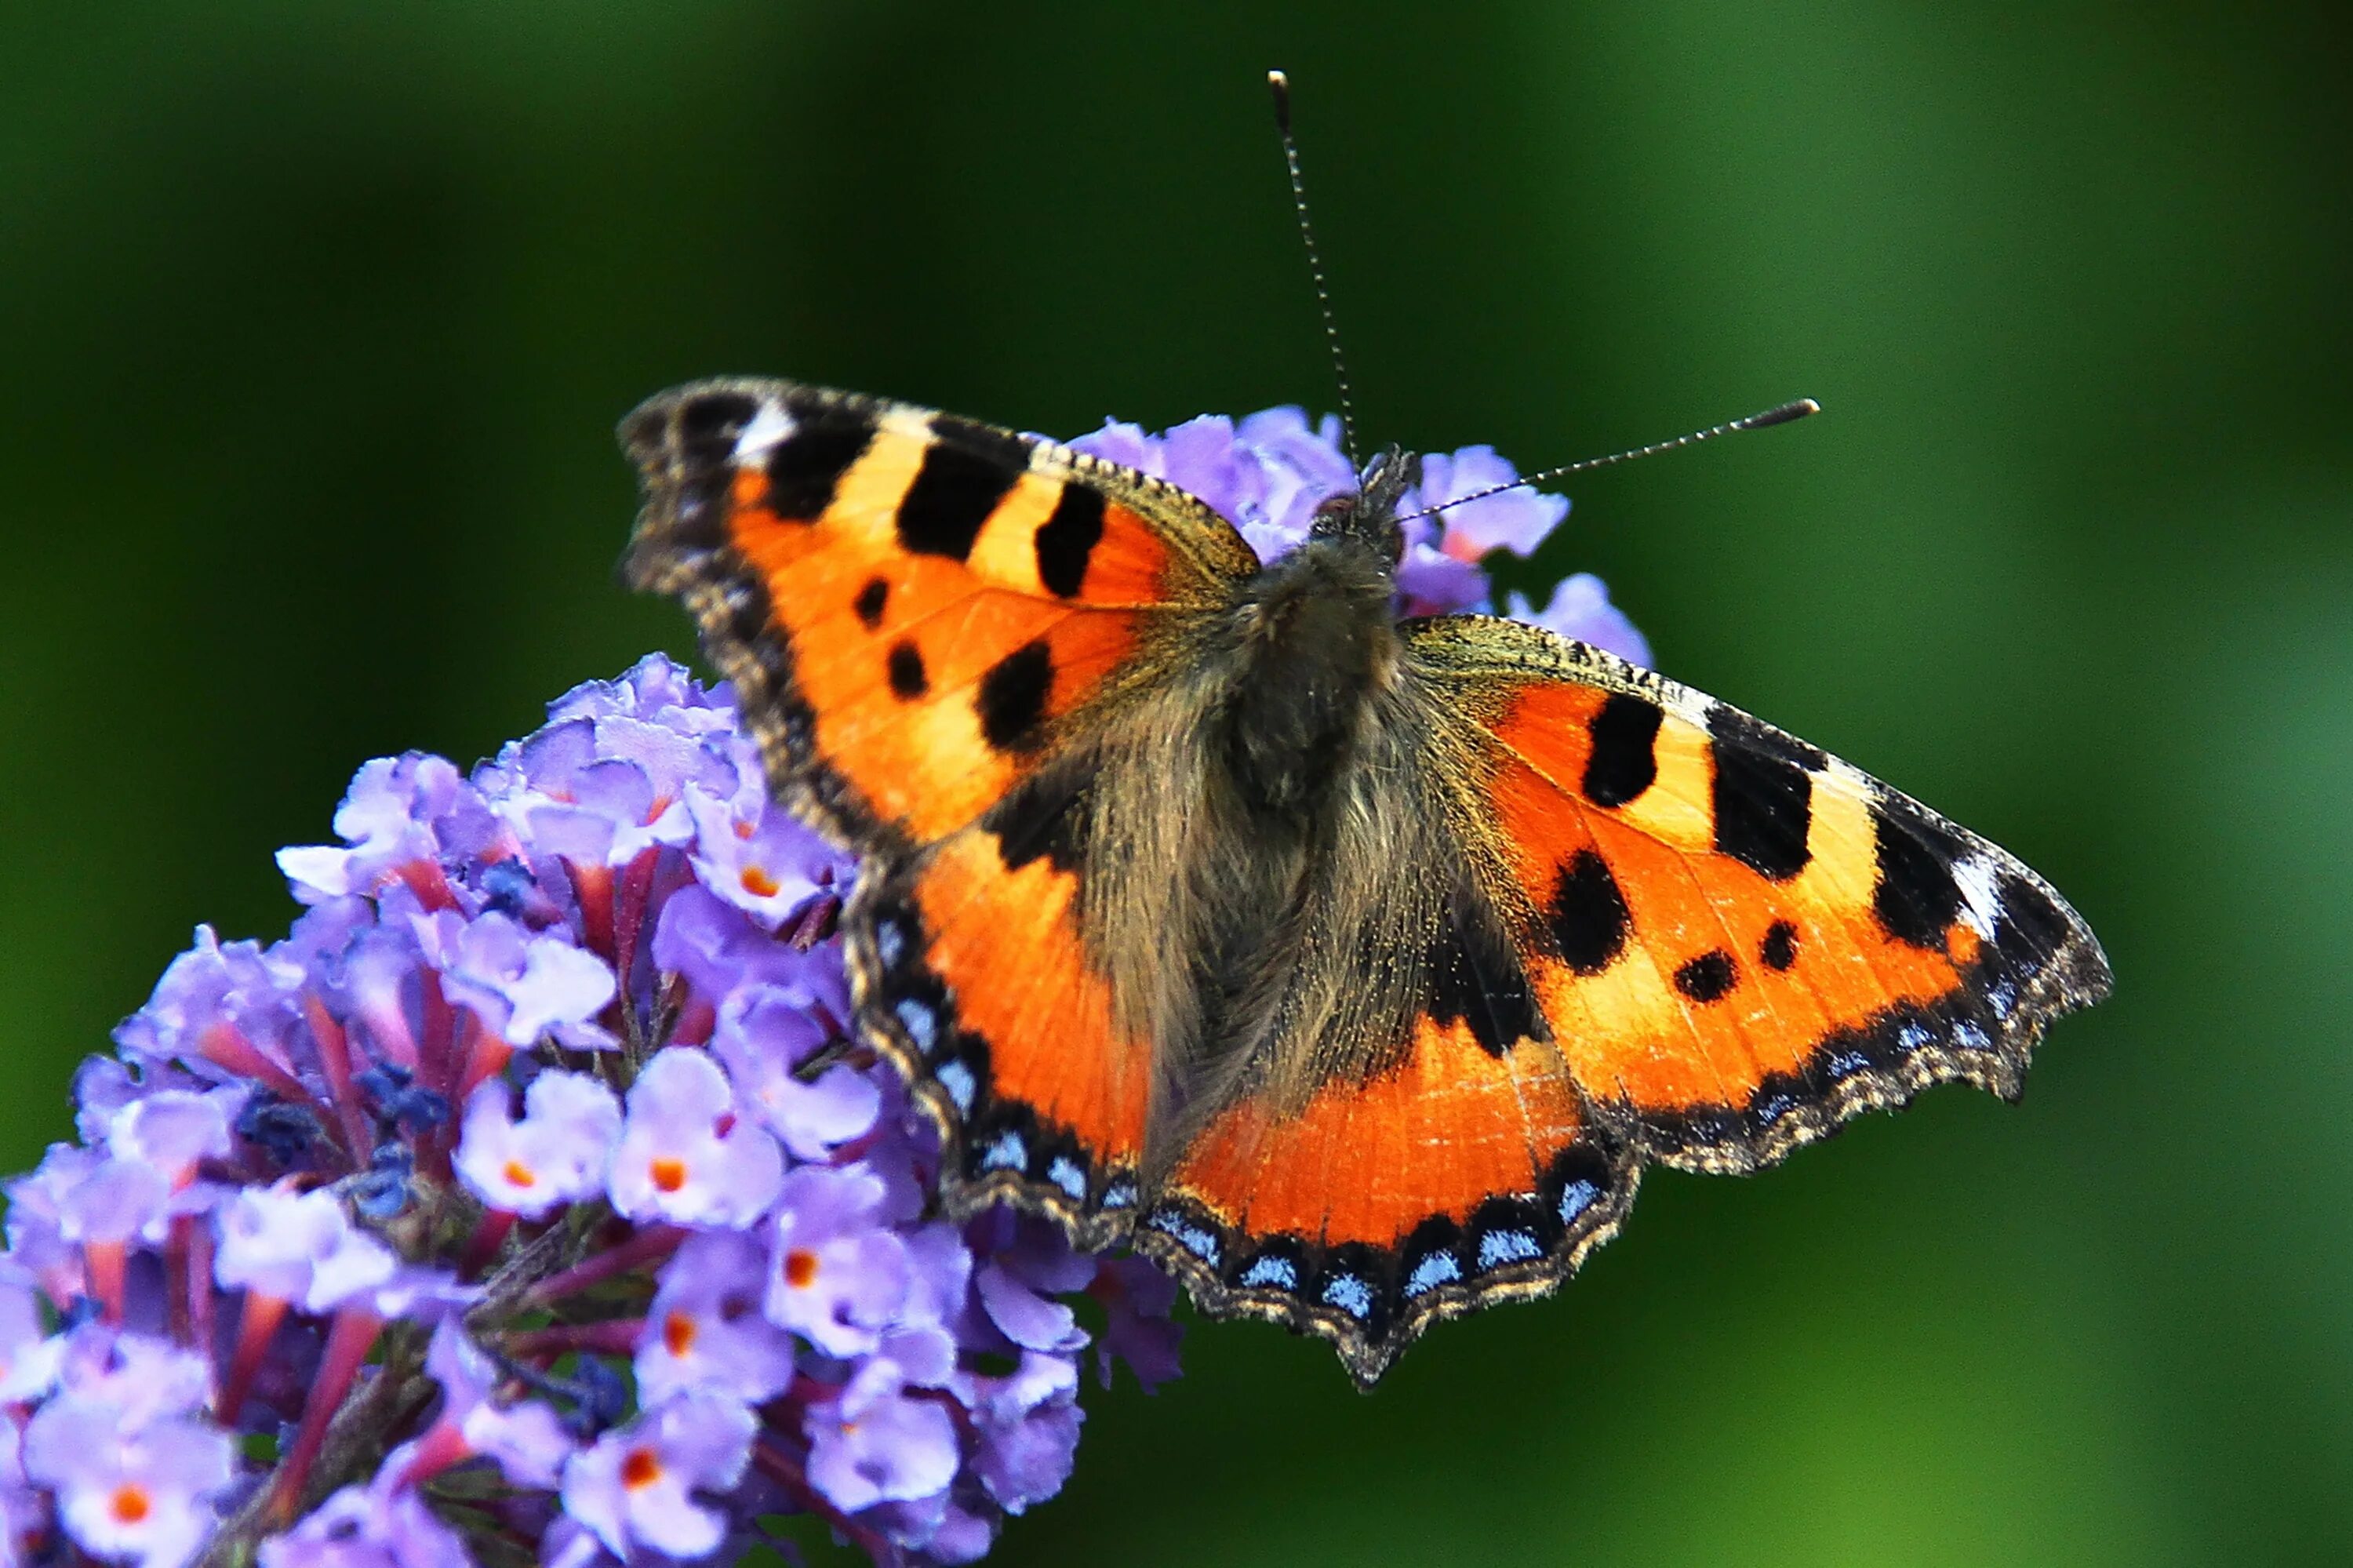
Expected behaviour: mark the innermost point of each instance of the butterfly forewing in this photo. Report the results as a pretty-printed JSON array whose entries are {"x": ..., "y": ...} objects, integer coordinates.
[{"x": 1738, "y": 940}]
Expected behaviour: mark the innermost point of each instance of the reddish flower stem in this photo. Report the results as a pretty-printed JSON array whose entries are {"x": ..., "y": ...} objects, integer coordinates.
[
  {"x": 105, "y": 1263},
  {"x": 226, "y": 1044},
  {"x": 592, "y": 886},
  {"x": 647, "y": 1246},
  {"x": 349, "y": 1338},
  {"x": 428, "y": 882},
  {"x": 489, "y": 1236},
  {"x": 435, "y": 1067},
  {"x": 200, "y": 1289},
  {"x": 481, "y": 1056},
  {"x": 695, "y": 1022},
  {"x": 335, "y": 1061},
  {"x": 256, "y": 1326},
  {"x": 438, "y": 1449},
  {"x": 612, "y": 1336},
  {"x": 178, "y": 1242},
  {"x": 629, "y": 913}
]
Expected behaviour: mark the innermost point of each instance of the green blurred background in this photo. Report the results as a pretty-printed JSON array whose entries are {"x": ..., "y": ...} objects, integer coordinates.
[{"x": 314, "y": 322}]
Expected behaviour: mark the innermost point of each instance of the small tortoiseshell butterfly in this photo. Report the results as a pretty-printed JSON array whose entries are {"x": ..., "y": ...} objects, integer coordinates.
[{"x": 1353, "y": 968}]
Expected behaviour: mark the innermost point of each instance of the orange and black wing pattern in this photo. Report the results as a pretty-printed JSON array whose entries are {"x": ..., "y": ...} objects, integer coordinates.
[
  {"x": 1468, "y": 1169},
  {"x": 1738, "y": 940},
  {"x": 1698, "y": 941},
  {"x": 918, "y": 611}
]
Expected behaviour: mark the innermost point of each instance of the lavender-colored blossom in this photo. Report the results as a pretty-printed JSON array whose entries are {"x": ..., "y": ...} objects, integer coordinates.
[
  {"x": 521, "y": 985},
  {"x": 526, "y": 1437},
  {"x": 874, "y": 1443},
  {"x": 171, "y": 1132},
  {"x": 140, "y": 1378},
  {"x": 636, "y": 1486},
  {"x": 1264, "y": 474},
  {"x": 841, "y": 1273},
  {"x": 763, "y": 862},
  {"x": 219, "y": 1009},
  {"x": 685, "y": 1155},
  {"x": 1028, "y": 1422},
  {"x": 1267, "y": 472},
  {"x": 722, "y": 951},
  {"x": 1513, "y": 520},
  {"x": 1432, "y": 582},
  {"x": 301, "y": 1247},
  {"x": 1137, "y": 1329},
  {"x": 29, "y": 1354},
  {"x": 128, "y": 1492},
  {"x": 765, "y": 1035},
  {"x": 381, "y": 1525},
  {"x": 558, "y": 1153},
  {"x": 704, "y": 1328},
  {"x": 411, "y": 811},
  {"x": 23, "y": 1510},
  {"x": 88, "y": 1196}
]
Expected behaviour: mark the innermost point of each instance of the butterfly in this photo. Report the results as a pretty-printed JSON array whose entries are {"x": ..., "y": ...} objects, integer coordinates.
[{"x": 1351, "y": 967}]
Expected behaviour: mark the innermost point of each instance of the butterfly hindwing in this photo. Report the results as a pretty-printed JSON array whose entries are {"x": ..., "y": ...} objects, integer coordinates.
[
  {"x": 982, "y": 993},
  {"x": 1738, "y": 940},
  {"x": 1458, "y": 1175}
]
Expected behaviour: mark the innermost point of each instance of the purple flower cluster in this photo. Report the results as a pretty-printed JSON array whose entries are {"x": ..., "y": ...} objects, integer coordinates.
[
  {"x": 1267, "y": 471},
  {"x": 530, "y": 1199}
]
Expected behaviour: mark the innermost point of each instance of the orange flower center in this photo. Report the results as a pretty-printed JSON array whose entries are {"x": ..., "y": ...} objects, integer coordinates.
[
  {"x": 800, "y": 1268},
  {"x": 668, "y": 1174},
  {"x": 758, "y": 882},
  {"x": 130, "y": 1504},
  {"x": 640, "y": 1468},
  {"x": 520, "y": 1175},
  {"x": 678, "y": 1333}
]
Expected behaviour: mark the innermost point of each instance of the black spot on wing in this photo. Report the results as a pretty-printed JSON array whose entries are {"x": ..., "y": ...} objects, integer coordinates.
[
  {"x": 805, "y": 466},
  {"x": 1624, "y": 759},
  {"x": 1067, "y": 539},
  {"x": 1588, "y": 915},
  {"x": 2031, "y": 927},
  {"x": 998, "y": 445},
  {"x": 1779, "y": 950},
  {"x": 1012, "y": 699},
  {"x": 690, "y": 442},
  {"x": 952, "y": 496},
  {"x": 869, "y": 603},
  {"x": 1709, "y": 977},
  {"x": 1476, "y": 980},
  {"x": 1762, "y": 794},
  {"x": 908, "y": 679},
  {"x": 709, "y": 423},
  {"x": 1916, "y": 898},
  {"x": 1048, "y": 814}
]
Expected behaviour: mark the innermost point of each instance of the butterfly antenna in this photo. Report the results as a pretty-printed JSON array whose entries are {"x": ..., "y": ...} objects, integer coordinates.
[
  {"x": 1776, "y": 416},
  {"x": 1280, "y": 85}
]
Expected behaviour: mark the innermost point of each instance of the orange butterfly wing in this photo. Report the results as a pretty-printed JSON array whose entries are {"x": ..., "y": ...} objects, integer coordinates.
[
  {"x": 913, "y": 608},
  {"x": 1738, "y": 940},
  {"x": 1723, "y": 943}
]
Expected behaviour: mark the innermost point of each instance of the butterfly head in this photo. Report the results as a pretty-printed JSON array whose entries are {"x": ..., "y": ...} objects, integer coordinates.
[{"x": 1369, "y": 513}]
